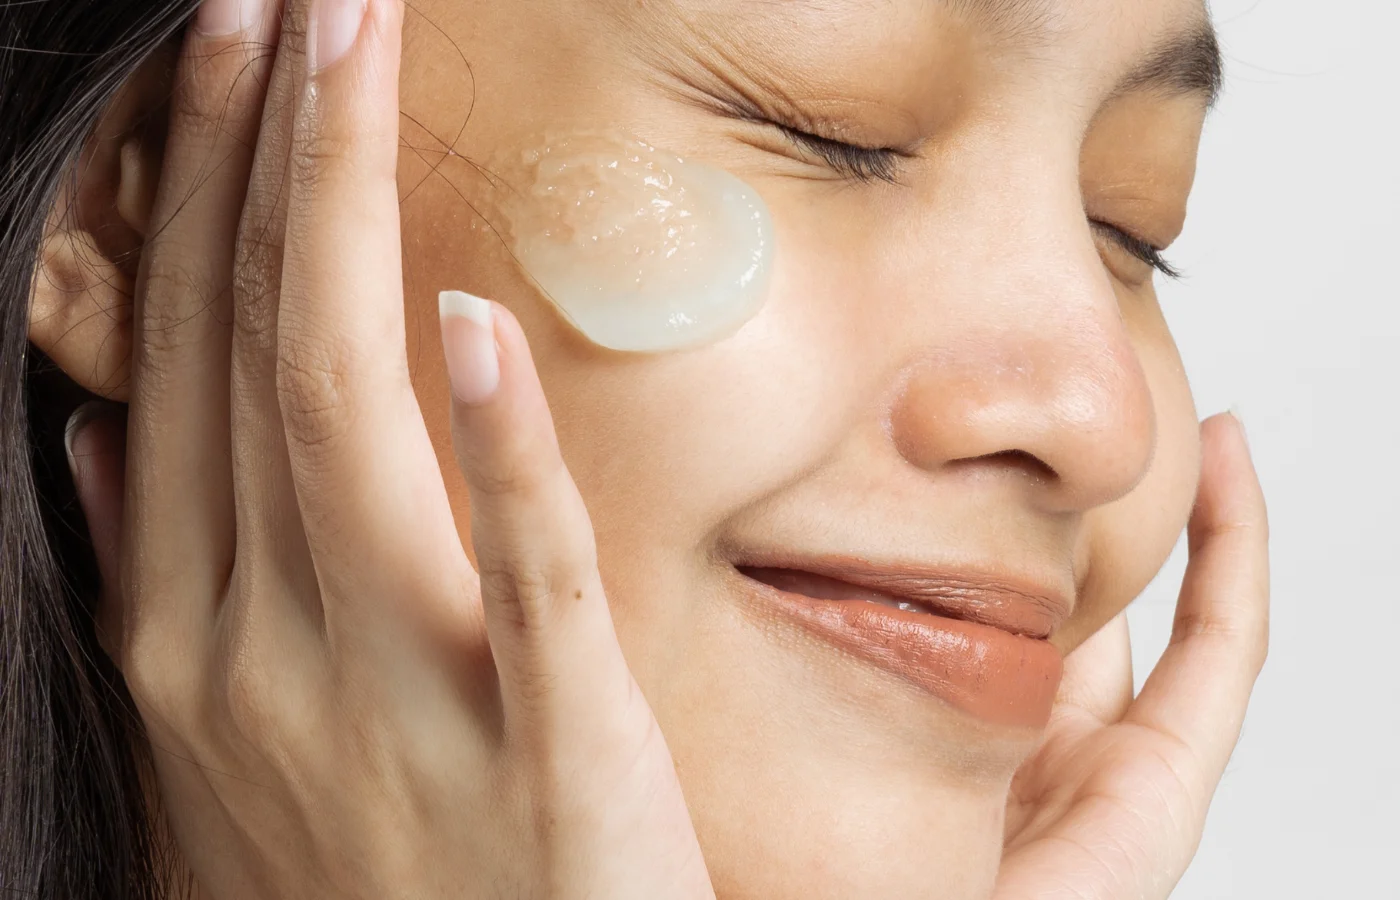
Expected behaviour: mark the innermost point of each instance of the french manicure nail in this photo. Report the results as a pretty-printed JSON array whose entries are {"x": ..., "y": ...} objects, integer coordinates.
[
  {"x": 469, "y": 343},
  {"x": 335, "y": 25},
  {"x": 218, "y": 18}
]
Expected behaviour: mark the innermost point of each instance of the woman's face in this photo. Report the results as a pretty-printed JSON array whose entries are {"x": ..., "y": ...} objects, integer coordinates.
[
  {"x": 959, "y": 385},
  {"x": 958, "y": 392}
]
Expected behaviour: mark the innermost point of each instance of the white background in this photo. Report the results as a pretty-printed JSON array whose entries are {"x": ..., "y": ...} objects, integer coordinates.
[{"x": 1291, "y": 314}]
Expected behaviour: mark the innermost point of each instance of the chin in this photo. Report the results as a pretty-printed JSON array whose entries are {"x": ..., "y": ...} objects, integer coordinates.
[{"x": 812, "y": 773}]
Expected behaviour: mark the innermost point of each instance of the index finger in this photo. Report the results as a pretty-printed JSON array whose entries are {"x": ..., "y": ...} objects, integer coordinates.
[{"x": 1199, "y": 691}]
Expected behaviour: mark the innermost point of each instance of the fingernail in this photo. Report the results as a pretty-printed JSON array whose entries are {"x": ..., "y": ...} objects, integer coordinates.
[
  {"x": 1239, "y": 420},
  {"x": 334, "y": 26},
  {"x": 469, "y": 342},
  {"x": 79, "y": 420},
  {"x": 218, "y": 18}
]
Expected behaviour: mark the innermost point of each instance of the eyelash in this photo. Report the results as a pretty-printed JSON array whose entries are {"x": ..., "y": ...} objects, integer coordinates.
[
  {"x": 863, "y": 164},
  {"x": 1137, "y": 247},
  {"x": 869, "y": 164}
]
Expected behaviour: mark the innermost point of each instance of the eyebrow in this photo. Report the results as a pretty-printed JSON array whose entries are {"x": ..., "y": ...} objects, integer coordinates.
[{"x": 1189, "y": 62}]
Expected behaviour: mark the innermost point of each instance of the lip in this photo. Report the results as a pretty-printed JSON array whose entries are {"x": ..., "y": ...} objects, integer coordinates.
[{"x": 977, "y": 641}]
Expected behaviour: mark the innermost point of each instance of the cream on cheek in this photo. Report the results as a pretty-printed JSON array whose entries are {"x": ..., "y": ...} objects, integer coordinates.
[{"x": 639, "y": 249}]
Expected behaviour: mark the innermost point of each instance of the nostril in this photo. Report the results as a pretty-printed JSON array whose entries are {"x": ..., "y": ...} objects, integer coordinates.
[
  {"x": 1068, "y": 414},
  {"x": 1027, "y": 463}
]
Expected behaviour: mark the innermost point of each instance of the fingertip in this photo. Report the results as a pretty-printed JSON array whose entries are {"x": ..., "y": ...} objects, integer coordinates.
[
  {"x": 469, "y": 346},
  {"x": 520, "y": 375},
  {"x": 77, "y": 423},
  {"x": 1226, "y": 426},
  {"x": 1229, "y": 497},
  {"x": 1239, "y": 423},
  {"x": 223, "y": 18},
  {"x": 510, "y": 334},
  {"x": 501, "y": 424},
  {"x": 96, "y": 442},
  {"x": 1227, "y": 465},
  {"x": 514, "y": 363},
  {"x": 468, "y": 306},
  {"x": 334, "y": 27},
  {"x": 89, "y": 432}
]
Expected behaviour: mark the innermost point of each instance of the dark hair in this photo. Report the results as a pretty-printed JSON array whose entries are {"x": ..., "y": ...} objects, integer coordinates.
[{"x": 74, "y": 822}]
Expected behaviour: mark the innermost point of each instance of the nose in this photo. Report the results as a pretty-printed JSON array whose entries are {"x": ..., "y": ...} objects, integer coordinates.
[{"x": 1025, "y": 365}]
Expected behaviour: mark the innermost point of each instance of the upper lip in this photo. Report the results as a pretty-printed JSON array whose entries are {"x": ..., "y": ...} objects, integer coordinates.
[{"x": 1020, "y": 605}]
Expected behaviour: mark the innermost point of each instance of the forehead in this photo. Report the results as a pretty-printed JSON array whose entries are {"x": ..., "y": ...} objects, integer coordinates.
[
  {"x": 1024, "y": 22},
  {"x": 1091, "y": 46}
]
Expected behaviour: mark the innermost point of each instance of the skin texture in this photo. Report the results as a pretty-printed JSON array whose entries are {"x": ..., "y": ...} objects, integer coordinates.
[
  {"x": 953, "y": 370},
  {"x": 968, "y": 335}
]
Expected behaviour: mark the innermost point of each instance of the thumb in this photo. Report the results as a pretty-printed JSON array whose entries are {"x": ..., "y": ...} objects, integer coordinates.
[{"x": 96, "y": 443}]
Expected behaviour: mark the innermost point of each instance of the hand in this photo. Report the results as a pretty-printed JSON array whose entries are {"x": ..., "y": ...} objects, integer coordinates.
[
  {"x": 1113, "y": 804},
  {"x": 337, "y": 704}
]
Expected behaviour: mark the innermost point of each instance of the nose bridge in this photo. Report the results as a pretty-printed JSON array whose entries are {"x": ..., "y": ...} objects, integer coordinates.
[{"x": 1025, "y": 357}]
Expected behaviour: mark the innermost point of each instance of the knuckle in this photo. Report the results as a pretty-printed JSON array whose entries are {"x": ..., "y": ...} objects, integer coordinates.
[
  {"x": 256, "y": 275},
  {"x": 532, "y": 596},
  {"x": 155, "y": 681},
  {"x": 193, "y": 112},
  {"x": 249, "y": 697},
  {"x": 533, "y": 689},
  {"x": 315, "y": 154},
  {"x": 1194, "y": 625},
  {"x": 1208, "y": 627},
  {"x": 504, "y": 479},
  {"x": 217, "y": 91},
  {"x": 255, "y": 310},
  {"x": 519, "y": 474},
  {"x": 327, "y": 155},
  {"x": 1246, "y": 639},
  {"x": 179, "y": 305},
  {"x": 526, "y": 587},
  {"x": 248, "y": 690},
  {"x": 178, "y": 292},
  {"x": 258, "y": 248},
  {"x": 313, "y": 391}
]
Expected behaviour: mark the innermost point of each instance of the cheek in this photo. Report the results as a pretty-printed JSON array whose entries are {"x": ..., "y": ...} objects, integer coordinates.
[
  {"x": 1127, "y": 542},
  {"x": 597, "y": 245}
]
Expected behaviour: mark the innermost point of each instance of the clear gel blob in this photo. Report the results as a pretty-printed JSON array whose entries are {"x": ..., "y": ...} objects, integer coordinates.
[{"x": 640, "y": 250}]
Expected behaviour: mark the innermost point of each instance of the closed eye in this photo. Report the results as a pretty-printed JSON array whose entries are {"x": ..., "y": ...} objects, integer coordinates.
[
  {"x": 864, "y": 164},
  {"x": 1137, "y": 247},
  {"x": 870, "y": 164}
]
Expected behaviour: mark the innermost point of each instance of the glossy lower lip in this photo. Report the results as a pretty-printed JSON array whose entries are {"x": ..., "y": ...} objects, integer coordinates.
[{"x": 995, "y": 675}]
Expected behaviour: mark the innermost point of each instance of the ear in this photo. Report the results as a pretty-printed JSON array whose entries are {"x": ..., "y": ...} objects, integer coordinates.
[{"x": 81, "y": 301}]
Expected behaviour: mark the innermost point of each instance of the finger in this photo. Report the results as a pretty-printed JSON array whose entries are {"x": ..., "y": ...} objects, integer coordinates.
[
  {"x": 179, "y": 432},
  {"x": 546, "y": 614},
  {"x": 1098, "y": 677},
  {"x": 368, "y": 486},
  {"x": 269, "y": 526},
  {"x": 96, "y": 443},
  {"x": 1200, "y": 689}
]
